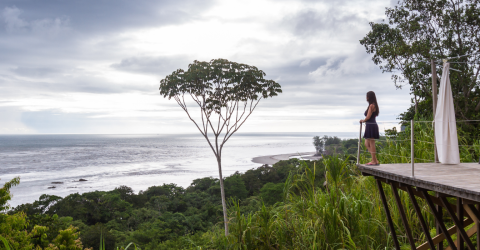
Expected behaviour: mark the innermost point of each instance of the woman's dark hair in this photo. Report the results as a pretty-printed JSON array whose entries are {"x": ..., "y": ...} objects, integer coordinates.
[{"x": 372, "y": 99}]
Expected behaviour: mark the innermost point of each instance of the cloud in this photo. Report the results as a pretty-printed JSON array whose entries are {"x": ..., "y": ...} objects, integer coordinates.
[
  {"x": 160, "y": 65},
  {"x": 11, "y": 122},
  {"x": 357, "y": 63},
  {"x": 329, "y": 20},
  {"x": 15, "y": 24},
  {"x": 106, "y": 16},
  {"x": 54, "y": 82},
  {"x": 35, "y": 71},
  {"x": 304, "y": 63},
  {"x": 12, "y": 20}
]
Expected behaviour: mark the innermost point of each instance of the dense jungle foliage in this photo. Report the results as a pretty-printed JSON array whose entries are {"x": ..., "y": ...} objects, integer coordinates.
[{"x": 330, "y": 145}]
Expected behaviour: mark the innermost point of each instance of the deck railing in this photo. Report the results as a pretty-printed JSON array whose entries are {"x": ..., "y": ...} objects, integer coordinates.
[{"x": 412, "y": 143}]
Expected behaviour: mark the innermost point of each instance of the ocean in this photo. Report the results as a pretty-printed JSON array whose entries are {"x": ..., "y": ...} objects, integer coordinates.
[{"x": 54, "y": 164}]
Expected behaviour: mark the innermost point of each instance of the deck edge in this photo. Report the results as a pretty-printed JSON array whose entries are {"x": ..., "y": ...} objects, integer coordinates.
[{"x": 437, "y": 187}]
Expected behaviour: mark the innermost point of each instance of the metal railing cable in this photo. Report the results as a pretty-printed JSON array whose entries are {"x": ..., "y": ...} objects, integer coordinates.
[
  {"x": 400, "y": 122},
  {"x": 400, "y": 156},
  {"x": 390, "y": 140},
  {"x": 426, "y": 142},
  {"x": 470, "y": 149}
]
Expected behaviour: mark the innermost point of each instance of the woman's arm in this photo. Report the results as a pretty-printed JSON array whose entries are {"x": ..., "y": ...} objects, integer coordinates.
[{"x": 369, "y": 113}]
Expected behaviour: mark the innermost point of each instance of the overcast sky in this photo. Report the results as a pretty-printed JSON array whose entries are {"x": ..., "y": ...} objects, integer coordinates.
[{"x": 94, "y": 66}]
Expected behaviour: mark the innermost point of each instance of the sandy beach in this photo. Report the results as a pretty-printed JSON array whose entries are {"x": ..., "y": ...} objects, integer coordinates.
[{"x": 272, "y": 159}]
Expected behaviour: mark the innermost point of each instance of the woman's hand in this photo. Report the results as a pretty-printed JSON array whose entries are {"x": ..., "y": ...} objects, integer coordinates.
[{"x": 362, "y": 121}]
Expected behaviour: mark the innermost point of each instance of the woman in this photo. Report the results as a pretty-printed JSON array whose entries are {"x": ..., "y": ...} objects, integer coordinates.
[{"x": 371, "y": 127}]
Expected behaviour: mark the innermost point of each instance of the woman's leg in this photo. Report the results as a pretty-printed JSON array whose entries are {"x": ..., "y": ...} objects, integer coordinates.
[
  {"x": 373, "y": 151},
  {"x": 368, "y": 145}
]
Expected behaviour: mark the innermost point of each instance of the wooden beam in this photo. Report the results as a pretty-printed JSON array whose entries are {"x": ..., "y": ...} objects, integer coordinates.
[
  {"x": 418, "y": 211},
  {"x": 478, "y": 230},
  {"x": 470, "y": 232},
  {"x": 441, "y": 237},
  {"x": 403, "y": 216},
  {"x": 467, "y": 201},
  {"x": 438, "y": 218},
  {"x": 460, "y": 229},
  {"x": 473, "y": 212},
  {"x": 420, "y": 194},
  {"x": 460, "y": 242},
  {"x": 387, "y": 212},
  {"x": 437, "y": 224}
]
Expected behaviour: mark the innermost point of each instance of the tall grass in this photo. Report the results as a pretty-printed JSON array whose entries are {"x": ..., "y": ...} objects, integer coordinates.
[
  {"x": 346, "y": 215},
  {"x": 5, "y": 243},
  {"x": 131, "y": 244}
]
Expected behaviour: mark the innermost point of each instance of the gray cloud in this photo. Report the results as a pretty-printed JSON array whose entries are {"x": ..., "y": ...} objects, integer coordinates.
[
  {"x": 35, "y": 71},
  {"x": 161, "y": 65},
  {"x": 39, "y": 82},
  {"x": 40, "y": 39},
  {"x": 101, "y": 16},
  {"x": 309, "y": 22}
]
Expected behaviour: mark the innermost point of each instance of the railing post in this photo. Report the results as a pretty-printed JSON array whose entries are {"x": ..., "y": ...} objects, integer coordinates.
[
  {"x": 359, "y": 141},
  {"x": 435, "y": 153},
  {"x": 412, "y": 155}
]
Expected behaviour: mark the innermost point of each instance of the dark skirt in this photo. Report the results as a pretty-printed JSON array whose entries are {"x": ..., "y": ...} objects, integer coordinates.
[{"x": 371, "y": 131}]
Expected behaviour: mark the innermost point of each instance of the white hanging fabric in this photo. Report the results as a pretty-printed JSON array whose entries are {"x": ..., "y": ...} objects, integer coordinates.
[{"x": 445, "y": 123}]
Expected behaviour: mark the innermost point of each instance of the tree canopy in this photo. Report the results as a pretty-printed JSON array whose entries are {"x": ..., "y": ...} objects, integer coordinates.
[{"x": 227, "y": 89}]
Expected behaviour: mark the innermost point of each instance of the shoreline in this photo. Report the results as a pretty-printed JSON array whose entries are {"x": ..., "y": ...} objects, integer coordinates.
[{"x": 272, "y": 159}]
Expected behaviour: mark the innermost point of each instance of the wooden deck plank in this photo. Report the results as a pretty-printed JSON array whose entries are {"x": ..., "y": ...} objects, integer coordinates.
[{"x": 462, "y": 180}]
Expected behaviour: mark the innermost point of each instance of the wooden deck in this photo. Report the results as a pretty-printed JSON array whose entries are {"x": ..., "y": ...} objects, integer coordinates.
[{"x": 462, "y": 180}]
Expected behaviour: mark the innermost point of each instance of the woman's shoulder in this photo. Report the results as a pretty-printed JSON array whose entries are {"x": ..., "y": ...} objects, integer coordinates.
[{"x": 372, "y": 106}]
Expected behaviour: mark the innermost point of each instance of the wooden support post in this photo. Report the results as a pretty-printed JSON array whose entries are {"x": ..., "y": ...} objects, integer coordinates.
[
  {"x": 478, "y": 230},
  {"x": 387, "y": 212},
  {"x": 418, "y": 211},
  {"x": 437, "y": 223},
  {"x": 434, "y": 100},
  {"x": 439, "y": 219},
  {"x": 460, "y": 242},
  {"x": 461, "y": 231},
  {"x": 472, "y": 211},
  {"x": 403, "y": 216},
  {"x": 359, "y": 143}
]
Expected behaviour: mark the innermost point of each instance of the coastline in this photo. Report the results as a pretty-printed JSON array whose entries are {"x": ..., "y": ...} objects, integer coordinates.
[{"x": 272, "y": 159}]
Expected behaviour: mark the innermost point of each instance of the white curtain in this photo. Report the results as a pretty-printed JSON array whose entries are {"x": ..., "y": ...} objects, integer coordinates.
[{"x": 445, "y": 124}]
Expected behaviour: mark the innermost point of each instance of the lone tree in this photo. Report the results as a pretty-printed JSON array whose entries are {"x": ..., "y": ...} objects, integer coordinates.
[{"x": 227, "y": 93}]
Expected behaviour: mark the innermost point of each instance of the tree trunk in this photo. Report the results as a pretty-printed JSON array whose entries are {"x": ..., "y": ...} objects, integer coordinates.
[{"x": 222, "y": 191}]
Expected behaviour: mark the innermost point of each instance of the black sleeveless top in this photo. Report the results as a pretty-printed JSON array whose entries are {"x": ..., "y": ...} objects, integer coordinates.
[{"x": 372, "y": 117}]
